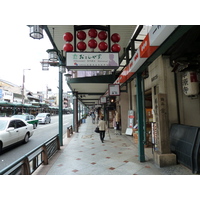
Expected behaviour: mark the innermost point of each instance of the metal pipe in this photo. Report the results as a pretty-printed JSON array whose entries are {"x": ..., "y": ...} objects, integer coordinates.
[
  {"x": 140, "y": 117},
  {"x": 60, "y": 107}
]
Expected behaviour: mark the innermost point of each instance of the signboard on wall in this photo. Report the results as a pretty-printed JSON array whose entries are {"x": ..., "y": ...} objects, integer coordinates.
[
  {"x": 131, "y": 119},
  {"x": 92, "y": 60},
  {"x": 103, "y": 100},
  {"x": 114, "y": 89}
]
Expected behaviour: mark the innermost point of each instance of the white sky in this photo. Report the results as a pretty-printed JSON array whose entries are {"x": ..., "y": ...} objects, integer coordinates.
[{"x": 19, "y": 51}]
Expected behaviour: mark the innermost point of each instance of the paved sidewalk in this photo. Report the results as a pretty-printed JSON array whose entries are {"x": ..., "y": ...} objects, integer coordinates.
[{"x": 85, "y": 154}]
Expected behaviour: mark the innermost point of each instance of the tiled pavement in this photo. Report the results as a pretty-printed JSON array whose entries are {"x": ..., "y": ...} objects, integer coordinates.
[{"x": 84, "y": 154}]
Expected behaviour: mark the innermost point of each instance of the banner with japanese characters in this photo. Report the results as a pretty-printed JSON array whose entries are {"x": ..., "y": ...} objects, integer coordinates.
[{"x": 98, "y": 60}]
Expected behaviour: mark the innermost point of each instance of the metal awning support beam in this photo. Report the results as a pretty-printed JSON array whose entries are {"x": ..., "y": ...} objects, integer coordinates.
[
  {"x": 61, "y": 58},
  {"x": 91, "y": 93},
  {"x": 93, "y": 79}
]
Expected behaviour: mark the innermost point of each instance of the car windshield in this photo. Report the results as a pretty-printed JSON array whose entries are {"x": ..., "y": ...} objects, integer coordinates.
[
  {"x": 19, "y": 116},
  {"x": 3, "y": 124}
]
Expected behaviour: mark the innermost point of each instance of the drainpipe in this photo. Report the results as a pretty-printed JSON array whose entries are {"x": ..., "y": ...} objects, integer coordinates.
[{"x": 140, "y": 117}]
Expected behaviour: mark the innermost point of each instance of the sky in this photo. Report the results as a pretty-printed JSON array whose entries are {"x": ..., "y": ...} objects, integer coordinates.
[{"x": 19, "y": 51}]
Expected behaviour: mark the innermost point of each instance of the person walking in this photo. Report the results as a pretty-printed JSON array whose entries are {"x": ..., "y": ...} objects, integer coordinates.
[{"x": 102, "y": 128}]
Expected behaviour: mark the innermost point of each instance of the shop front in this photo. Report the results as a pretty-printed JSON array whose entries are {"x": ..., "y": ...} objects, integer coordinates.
[{"x": 150, "y": 82}]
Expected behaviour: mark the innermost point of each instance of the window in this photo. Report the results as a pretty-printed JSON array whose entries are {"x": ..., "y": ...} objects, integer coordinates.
[
  {"x": 12, "y": 124},
  {"x": 20, "y": 124}
]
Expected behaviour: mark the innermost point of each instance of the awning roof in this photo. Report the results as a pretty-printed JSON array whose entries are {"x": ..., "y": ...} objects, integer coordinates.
[{"x": 90, "y": 89}]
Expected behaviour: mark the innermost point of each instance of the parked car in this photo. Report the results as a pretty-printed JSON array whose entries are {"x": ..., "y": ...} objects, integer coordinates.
[
  {"x": 28, "y": 118},
  {"x": 13, "y": 130},
  {"x": 44, "y": 118}
]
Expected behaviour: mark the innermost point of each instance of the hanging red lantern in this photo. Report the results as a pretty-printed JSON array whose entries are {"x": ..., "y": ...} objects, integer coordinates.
[
  {"x": 81, "y": 35},
  {"x": 81, "y": 46},
  {"x": 92, "y": 43},
  {"x": 68, "y": 47},
  {"x": 102, "y": 35},
  {"x": 115, "y": 37},
  {"x": 68, "y": 37},
  {"x": 115, "y": 48},
  {"x": 103, "y": 46},
  {"x": 92, "y": 33}
]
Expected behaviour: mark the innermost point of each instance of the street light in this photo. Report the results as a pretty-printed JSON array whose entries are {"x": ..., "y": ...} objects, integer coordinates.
[
  {"x": 36, "y": 32},
  {"x": 55, "y": 59},
  {"x": 23, "y": 85},
  {"x": 53, "y": 54},
  {"x": 67, "y": 76}
]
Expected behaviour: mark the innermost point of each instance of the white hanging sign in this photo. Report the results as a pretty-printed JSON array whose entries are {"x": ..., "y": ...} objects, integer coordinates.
[{"x": 98, "y": 60}]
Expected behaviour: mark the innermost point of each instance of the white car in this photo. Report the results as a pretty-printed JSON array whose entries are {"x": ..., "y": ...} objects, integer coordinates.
[
  {"x": 44, "y": 118},
  {"x": 13, "y": 131}
]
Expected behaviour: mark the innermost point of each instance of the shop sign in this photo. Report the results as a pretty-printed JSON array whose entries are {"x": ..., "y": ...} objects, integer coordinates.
[
  {"x": 103, "y": 100},
  {"x": 190, "y": 83},
  {"x": 114, "y": 89},
  {"x": 131, "y": 118},
  {"x": 156, "y": 36},
  {"x": 98, "y": 60},
  {"x": 145, "y": 49},
  {"x": 137, "y": 61},
  {"x": 159, "y": 33}
]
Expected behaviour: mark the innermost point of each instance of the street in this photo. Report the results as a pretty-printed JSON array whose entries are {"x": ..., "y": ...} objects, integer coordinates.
[{"x": 41, "y": 134}]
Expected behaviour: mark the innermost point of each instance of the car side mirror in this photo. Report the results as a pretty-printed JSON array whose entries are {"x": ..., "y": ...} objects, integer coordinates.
[{"x": 10, "y": 129}]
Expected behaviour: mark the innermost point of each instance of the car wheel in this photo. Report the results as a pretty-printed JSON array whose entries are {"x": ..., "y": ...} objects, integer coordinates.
[{"x": 26, "y": 138}]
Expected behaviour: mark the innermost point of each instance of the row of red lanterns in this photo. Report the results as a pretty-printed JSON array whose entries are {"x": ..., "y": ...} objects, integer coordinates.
[
  {"x": 81, "y": 35},
  {"x": 92, "y": 43}
]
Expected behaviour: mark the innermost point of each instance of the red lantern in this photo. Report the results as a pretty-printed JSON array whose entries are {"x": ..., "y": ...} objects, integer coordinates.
[
  {"x": 92, "y": 43},
  {"x": 102, "y": 35},
  {"x": 103, "y": 46},
  {"x": 92, "y": 33},
  {"x": 81, "y": 35},
  {"x": 115, "y": 37},
  {"x": 81, "y": 46},
  {"x": 115, "y": 48},
  {"x": 68, "y": 37},
  {"x": 68, "y": 47}
]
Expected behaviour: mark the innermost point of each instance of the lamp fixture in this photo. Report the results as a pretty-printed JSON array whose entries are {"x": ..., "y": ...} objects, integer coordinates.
[
  {"x": 62, "y": 69},
  {"x": 36, "y": 32},
  {"x": 68, "y": 76},
  {"x": 53, "y": 54},
  {"x": 45, "y": 64}
]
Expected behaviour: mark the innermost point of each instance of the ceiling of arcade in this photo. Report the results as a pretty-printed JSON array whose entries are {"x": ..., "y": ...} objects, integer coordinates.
[{"x": 90, "y": 91}]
